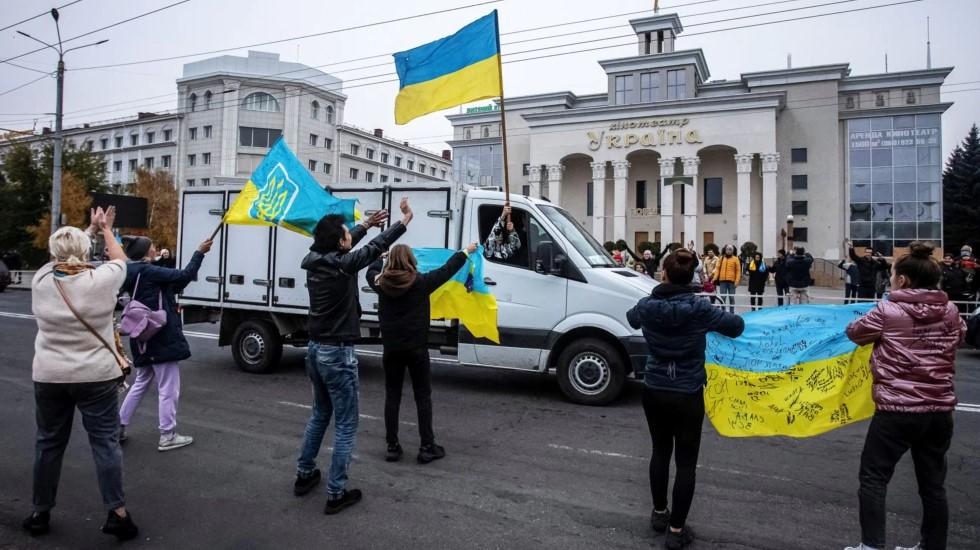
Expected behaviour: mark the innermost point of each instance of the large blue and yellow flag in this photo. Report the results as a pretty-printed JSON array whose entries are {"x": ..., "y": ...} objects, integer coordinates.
[
  {"x": 281, "y": 192},
  {"x": 793, "y": 372},
  {"x": 451, "y": 71},
  {"x": 465, "y": 297}
]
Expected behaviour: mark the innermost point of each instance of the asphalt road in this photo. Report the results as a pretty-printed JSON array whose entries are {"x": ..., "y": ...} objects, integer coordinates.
[{"x": 525, "y": 469}]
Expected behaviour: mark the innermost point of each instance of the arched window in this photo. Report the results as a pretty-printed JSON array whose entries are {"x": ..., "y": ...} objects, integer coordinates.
[
  {"x": 260, "y": 101},
  {"x": 192, "y": 102},
  {"x": 468, "y": 133},
  {"x": 486, "y": 131},
  {"x": 329, "y": 114},
  {"x": 315, "y": 109},
  {"x": 207, "y": 100}
]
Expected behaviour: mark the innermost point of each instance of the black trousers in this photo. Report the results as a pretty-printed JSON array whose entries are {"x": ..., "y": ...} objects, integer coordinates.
[
  {"x": 674, "y": 420},
  {"x": 755, "y": 298},
  {"x": 890, "y": 435},
  {"x": 417, "y": 362},
  {"x": 866, "y": 292},
  {"x": 850, "y": 293},
  {"x": 781, "y": 290}
]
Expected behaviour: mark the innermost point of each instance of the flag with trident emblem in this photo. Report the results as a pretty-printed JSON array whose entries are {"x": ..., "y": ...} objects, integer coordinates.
[{"x": 281, "y": 192}]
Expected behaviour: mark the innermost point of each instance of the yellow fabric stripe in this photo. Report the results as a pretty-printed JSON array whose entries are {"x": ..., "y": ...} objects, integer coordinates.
[
  {"x": 239, "y": 211},
  {"x": 476, "y": 311},
  {"x": 807, "y": 400},
  {"x": 477, "y": 81}
]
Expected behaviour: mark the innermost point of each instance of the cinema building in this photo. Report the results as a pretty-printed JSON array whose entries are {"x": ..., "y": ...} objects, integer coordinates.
[{"x": 666, "y": 154}]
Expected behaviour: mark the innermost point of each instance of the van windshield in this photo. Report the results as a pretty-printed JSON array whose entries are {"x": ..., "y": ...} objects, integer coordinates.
[{"x": 584, "y": 243}]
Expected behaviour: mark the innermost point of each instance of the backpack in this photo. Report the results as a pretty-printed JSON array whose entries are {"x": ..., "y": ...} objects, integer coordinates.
[{"x": 139, "y": 322}]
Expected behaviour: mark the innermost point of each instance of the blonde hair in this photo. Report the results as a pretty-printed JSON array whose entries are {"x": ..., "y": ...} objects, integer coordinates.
[{"x": 70, "y": 244}]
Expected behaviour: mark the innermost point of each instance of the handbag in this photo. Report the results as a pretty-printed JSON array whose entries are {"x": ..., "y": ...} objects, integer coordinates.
[
  {"x": 125, "y": 365},
  {"x": 709, "y": 286},
  {"x": 139, "y": 322}
]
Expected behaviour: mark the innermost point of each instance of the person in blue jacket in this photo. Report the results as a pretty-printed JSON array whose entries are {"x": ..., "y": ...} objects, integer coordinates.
[
  {"x": 674, "y": 322},
  {"x": 158, "y": 358}
]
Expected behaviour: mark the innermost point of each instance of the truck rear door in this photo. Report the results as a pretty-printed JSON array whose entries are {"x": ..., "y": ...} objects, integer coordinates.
[
  {"x": 248, "y": 249},
  {"x": 200, "y": 214}
]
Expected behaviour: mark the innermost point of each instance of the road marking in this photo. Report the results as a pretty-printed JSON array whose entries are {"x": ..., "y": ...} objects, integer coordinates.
[
  {"x": 364, "y": 416},
  {"x": 16, "y": 315},
  {"x": 595, "y": 452},
  {"x": 206, "y": 335}
]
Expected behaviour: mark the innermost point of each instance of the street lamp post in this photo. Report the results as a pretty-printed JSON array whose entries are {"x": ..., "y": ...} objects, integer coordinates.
[{"x": 58, "y": 138}]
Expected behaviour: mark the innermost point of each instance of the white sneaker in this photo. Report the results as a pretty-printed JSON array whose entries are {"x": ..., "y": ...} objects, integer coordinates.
[
  {"x": 861, "y": 546},
  {"x": 173, "y": 441},
  {"x": 916, "y": 547}
]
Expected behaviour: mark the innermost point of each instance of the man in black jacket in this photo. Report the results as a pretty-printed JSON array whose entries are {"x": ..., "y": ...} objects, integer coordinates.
[
  {"x": 868, "y": 268},
  {"x": 798, "y": 275},
  {"x": 335, "y": 312}
]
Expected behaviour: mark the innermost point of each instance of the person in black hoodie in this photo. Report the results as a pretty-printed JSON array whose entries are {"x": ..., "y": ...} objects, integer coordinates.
[
  {"x": 868, "y": 267},
  {"x": 403, "y": 300},
  {"x": 331, "y": 364},
  {"x": 674, "y": 322}
]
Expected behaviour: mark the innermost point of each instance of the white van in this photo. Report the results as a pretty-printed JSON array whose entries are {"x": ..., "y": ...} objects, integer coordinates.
[{"x": 562, "y": 301}]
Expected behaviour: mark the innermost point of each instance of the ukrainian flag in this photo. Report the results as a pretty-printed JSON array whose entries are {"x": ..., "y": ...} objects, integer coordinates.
[
  {"x": 793, "y": 372},
  {"x": 465, "y": 297},
  {"x": 281, "y": 192},
  {"x": 451, "y": 71}
]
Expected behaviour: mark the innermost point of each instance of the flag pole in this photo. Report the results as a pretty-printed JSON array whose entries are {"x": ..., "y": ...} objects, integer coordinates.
[
  {"x": 503, "y": 112},
  {"x": 216, "y": 230}
]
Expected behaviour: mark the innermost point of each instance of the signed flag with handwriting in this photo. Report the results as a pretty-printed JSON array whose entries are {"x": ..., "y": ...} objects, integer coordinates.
[
  {"x": 281, "y": 192},
  {"x": 465, "y": 297},
  {"x": 793, "y": 372}
]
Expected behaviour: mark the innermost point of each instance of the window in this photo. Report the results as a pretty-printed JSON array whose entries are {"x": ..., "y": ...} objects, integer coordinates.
[
  {"x": 190, "y": 183},
  {"x": 192, "y": 133},
  {"x": 410, "y": 164},
  {"x": 353, "y": 173},
  {"x": 398, "y": 161},
  {"x": 485, "y": 131},
  {"x": 432, "y": 171},
  {"x": 849, "y": 102},
  {"x": 526, "y": 169},
  {"x": 443, "y": 174},
  {"x": 326, "y": 167},
  {"x": 205, "y": 158},
  {"x": 467, "y": 133},
  {"x": 134, "y": 140},
  {"x": 421, "y": 168},
  {"x": 103, "y": 166},
  {"x": 799, "y": 181},
  {"x": 398, "y": 180},
  {"x": 589, "y": 197},
  {"x": 132, "y": 165},
  {"x": 207, "y": 100},
  {"x": 354, "y": 148},
  {"x": 258, "y": 137},
  {"x": 384, "y": 178},
  {"x": 192, "y": 102},
  {"x": 677, "y": 84},
  {"x": 369, "y": 153},
  {"x": 384, "y": 158},
  {"x": 207, "y": 132},
  {"x": 89, "y": 145},
  {"x": 526, "y": 190},
  {"x": 327, "y": 143},
  {"x": 800, "y": 234},
  {"x": 315, "y": 110},
  {"x": 104, "y": 143},
  {"x": 910, "y": 98},
  {"x": 329, "y": 114},
  {"x": 314, "y": 139},
  {"x": 880, "y": 99},
  {"x": 798, "y": 155},
  {"x": 799, "y": 208},
  {"x": 148, "y": 163},
  {"x": 117, "y": 166},
  {"x": 649, "y": 87},
  {"x": 119, "y": 141},
  {"x": 487, "y": 216},
  {"x": 369, "y": 176},
  {"x": 165, "y": 161},
  {"x": 624, "y": 89},
  {"x": 713, "y": 195},
  {"x": 205, "y": 182},
  {"x": 191, "y": 160},
  {"x": 260, "y": 101},
  {"x": 641, "y": 194},
  {"x": 167, "y": 134},
  {"x": 150, "y": 136},
  {"x": 312, "y": 165}
]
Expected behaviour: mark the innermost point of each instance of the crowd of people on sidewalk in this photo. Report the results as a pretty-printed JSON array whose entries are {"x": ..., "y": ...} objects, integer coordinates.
[{"x": 80, "y": 363}]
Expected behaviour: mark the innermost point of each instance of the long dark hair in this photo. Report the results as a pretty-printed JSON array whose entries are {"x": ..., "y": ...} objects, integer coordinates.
[{"x": 919, "y": 266}]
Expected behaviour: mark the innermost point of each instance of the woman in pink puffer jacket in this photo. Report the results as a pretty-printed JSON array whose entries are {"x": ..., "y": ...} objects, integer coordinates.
[{"x": 915, "y": 335}]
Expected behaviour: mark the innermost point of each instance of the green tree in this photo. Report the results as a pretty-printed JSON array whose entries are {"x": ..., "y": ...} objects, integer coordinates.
[{"x": 961, "y": 194}]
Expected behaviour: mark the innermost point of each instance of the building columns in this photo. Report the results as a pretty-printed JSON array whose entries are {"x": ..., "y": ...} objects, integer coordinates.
[
  {"x": 743, "y": 166},
  {"x": 620, "y": 173},
  {"x": 690, "y": 212},
  {"x": 770, "y": 223},
  {"x": 554, "y": 183},
  {"x": 666, "y": 202},
  {"x": 599, "y": 200},
  {"x": 534, "y": 180}
]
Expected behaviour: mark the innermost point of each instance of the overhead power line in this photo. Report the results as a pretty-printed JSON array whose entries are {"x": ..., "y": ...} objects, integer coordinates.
[
  {"x": 24, "y": 85},
  {"x": 42, "y": 14}
]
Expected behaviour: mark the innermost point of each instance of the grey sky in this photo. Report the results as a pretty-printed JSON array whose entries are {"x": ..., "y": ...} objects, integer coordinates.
[{"x": 861, "y": 38}]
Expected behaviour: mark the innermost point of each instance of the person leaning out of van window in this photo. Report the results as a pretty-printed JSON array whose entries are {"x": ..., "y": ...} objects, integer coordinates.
[
  {"x": 503, "y": 242},
  {"x": 403, "y": 300},
  {"x": 76, "y": 366}
]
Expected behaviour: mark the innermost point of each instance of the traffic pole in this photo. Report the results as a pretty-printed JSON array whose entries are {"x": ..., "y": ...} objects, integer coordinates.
[{"x": 58, "y": 139}]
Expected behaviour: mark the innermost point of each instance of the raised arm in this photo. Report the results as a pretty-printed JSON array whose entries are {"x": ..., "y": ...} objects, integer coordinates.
[
  {"x": 854, "y": 257},
  {"x": 633, "y": 315},
  {"x": 868, "y": 328},
  {"x": 356, "y": 260},
  {"x": 724, "y": 323},
  {"x": 438, "y": 277},
  {"x": 372, "y": 274}
]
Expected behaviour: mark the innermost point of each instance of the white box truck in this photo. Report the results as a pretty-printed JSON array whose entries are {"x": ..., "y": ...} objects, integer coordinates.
[{"x": 562, "y": 301}]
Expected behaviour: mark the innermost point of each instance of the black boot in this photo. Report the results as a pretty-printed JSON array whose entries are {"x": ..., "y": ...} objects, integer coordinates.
[
  {"x": 346, "y": 500},
  {"x": 659, "y": 520},
  {"x": 38, "y": 523},
  {"x": 122, "y": 528},
  {"x": 429, "y": 453},
  {"x": 305, "y": 484},
  {"x": 394, "y": 453}
]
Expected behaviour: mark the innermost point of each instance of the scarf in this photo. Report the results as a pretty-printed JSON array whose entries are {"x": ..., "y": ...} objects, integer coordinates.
[{"x": 761, "y": 267}]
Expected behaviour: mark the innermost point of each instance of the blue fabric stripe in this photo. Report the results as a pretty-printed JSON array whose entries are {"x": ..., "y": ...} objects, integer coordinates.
[{"x": 474, "y": 42}]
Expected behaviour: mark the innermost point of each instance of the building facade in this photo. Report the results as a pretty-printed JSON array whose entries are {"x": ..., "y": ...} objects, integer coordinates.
[{"x": 667, "y": 155}]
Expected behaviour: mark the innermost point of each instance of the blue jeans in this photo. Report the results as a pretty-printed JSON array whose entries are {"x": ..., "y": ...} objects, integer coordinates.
[
  {"x": 333, "y": 374},
  {"x": 727, "y": 292}
]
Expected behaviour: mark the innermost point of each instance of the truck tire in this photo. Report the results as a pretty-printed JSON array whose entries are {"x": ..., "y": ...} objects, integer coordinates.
[
  {"x": 591, "y": 372},
  {"x": 257, "y": 347}
]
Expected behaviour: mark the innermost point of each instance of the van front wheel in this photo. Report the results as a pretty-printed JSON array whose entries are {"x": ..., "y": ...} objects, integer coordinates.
[
  {"x": 256, "y": 347},
  {"x": 590, "y": 372}
]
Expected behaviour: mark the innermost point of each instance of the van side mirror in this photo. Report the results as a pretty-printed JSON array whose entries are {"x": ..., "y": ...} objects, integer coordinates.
[{"x": 544, "y": 262}]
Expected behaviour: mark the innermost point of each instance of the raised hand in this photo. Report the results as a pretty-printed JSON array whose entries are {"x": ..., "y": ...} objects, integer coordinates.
[
  {"x": 205, "y": 246},
  {"x": 471, "y": 248},
  {"x": 108, "y": 219},
  {"x": 407, "y": 214},
  {"x": 377, "y": 219}
]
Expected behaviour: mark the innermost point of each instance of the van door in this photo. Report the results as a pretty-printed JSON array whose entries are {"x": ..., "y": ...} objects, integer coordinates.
[
  {"x": 530, "y": 304},
  {"x": 200, "y": 213},
  {"x": 247, "y": 253},
  {"x": 289, "y": 278}
]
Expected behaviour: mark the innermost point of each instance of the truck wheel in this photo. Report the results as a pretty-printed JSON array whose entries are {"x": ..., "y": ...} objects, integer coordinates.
[
  {"x": 590, "y": 372},
  {"x": 256, "y": 347}
]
